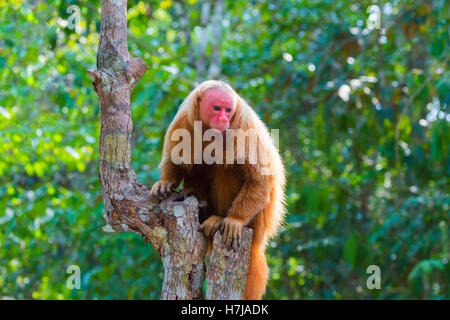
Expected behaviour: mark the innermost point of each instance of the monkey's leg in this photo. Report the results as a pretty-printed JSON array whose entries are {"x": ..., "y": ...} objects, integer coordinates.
[
  {"x": 211, "y": 225},
  {"x": 198, "y": 189}
]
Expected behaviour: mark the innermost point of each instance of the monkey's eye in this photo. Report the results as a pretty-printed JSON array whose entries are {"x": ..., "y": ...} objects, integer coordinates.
[
  {"x": 228, "y": 110},
  {"x": 216, "y": 108}
]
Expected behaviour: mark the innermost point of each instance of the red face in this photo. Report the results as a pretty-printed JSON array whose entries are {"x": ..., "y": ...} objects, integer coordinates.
[{"x": 216, "y": 108}]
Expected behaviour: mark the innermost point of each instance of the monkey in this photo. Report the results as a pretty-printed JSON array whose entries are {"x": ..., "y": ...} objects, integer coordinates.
[{"x": 237, "y": 193}]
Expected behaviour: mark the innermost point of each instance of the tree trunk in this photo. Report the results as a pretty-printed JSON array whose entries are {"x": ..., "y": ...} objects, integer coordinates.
[
  {"x": 227, "y": 272},
  {"x": 170, "y": 225}
]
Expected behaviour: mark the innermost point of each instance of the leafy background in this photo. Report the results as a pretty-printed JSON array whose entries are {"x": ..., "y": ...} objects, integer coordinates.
[{"x": 364, "y": 133}]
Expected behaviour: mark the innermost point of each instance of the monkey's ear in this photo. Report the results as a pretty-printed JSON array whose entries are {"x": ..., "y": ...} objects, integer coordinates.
[
  {"x": 240, "y": 114},
  {"x": 198, "y": 98},
  {"x": 196, "y": 103}
]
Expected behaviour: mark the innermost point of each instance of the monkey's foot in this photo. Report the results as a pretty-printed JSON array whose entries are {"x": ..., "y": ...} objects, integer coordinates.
[
  {"x": 202, "y": 204},
  {"x": 231, "y": 229},
  {"x": 211, "y": 225},
  {"x": 185, "y": 193}
]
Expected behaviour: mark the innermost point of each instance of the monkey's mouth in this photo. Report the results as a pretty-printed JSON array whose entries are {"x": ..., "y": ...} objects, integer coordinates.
[{"x": 221, "y": 128}]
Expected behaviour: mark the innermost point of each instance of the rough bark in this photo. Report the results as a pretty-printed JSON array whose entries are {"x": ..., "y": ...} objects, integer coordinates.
[
  {"x": 226, "y": 275},
  {"x": 170, "y": 225}
]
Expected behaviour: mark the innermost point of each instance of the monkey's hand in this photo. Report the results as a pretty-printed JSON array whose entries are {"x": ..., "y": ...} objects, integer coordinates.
[
  {"x": 211, "y": 225},
  {"x": 162, "y": 189},
  {"x": 231, "y": 229}
]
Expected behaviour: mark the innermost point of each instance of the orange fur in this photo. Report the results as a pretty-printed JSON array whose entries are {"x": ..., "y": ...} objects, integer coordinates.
[{"x": 236, "y": 191}]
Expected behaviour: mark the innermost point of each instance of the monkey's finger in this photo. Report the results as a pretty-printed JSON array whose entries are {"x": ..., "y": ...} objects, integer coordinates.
[
  {"x": 218, "y": 224},
  {"x": 236, "y": 237},
  {"x": 215, "y": 228},
  {"x": 168, "y": 188},
  {"x": 209, "y": 230},
  {"x": 239, "y": 236},
  {"x": 163, "y": 189},
  {"x": 203, "y": 227},
  {"x": 235, "y": 245},
  {"x": 228, "y": 241},
  {"x": 154, "y": 187},
  {"x": 206, "y": 231},
  {"x": 223, "y": 231},
  {"x": 228, "y": 247},
  {"x": 226, "y": 234},
  {"x": 229, "y": 236},
  {"x": 233, "y": 232},
  {"x": 157, "y": 189},
  {"x": 153, "y": 190}
]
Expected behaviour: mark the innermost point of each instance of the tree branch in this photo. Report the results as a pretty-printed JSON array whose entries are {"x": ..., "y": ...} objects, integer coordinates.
[{"x": 171, "y": 225}]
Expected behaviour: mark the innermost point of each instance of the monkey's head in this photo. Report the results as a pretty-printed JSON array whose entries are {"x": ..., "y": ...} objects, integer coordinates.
[
  {"x": 214, "y": 103},
  {"x": 216, "y": 107}
]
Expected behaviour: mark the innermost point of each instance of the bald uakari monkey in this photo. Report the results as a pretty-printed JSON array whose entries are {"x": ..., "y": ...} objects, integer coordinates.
[{"x": 237, "y": 193}]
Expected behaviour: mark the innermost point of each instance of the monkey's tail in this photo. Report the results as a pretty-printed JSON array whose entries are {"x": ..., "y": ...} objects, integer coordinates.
[
  {"x": 275, "y": 211},
  {"x": 257, "y": 274}
]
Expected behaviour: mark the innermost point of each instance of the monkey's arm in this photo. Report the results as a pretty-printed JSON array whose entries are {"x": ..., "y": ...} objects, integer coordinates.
[
  {"x": 253, "y": 197},
  {"x": 171, "y": 174}
]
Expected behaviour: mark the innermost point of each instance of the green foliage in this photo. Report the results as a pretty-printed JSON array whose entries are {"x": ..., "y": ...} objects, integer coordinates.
[{"x": 364, "y": 133}]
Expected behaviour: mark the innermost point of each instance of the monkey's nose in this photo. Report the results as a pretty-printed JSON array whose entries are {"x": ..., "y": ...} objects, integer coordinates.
[{"x": 222, "y": 119}]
